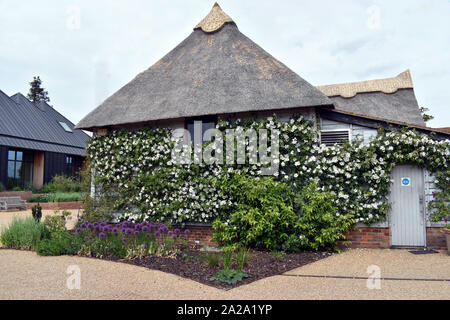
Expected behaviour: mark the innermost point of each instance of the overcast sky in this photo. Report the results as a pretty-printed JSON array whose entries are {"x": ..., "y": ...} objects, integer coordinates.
[{"x": 84, "y": 51}]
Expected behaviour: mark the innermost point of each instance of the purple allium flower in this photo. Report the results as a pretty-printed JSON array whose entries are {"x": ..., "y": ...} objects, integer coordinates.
[
  {"x": 136, "y": 233},
  {"x": 157, "y": 233},
  {"x": 116, "y": 234},
  {"x": 124, "y": 240},
  {"x": 144, "y": 228},
  {"x": 95, "y": 224},
  {"x": 63, "y": 217},
  {"x": 86, "y": 238},
  {"x": 101, "y": 235},
  {"x": 187, "y": 232},
  {"x": 78, "y": 230},
  {"x": 170, "y": 233},
  {"x": 115, "y": 229},
  {"x": 147, "y": 235},
  {"x": 177, "y": 231},
  {"x": 174, "y": 236}
]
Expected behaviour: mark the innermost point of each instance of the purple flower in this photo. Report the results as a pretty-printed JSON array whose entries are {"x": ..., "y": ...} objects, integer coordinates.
[
  {"x": 64, "y": 217},
  {"x": 174, "y": 236},
  {"x": 144, "y": 228},
  {"x": 157, "y": 233},
  {"x": 86, "y": 238},
  {"x": 78, "y": 230},
  {"x": 115, "y": 229},
  {"x": 101, "y": 235},
  {"x": 116, "y": 234},
  {"x": 187, "y": 232},
  {"x": 124, "y": 240},
  {"x": 136, "y": 233},
  {"x": 170, "y": 233},
  {"x": 147, "y": 235},
  {"x": 177, "y": 231}
]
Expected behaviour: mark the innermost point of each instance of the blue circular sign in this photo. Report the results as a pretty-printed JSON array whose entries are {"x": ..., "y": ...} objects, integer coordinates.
[{"x": 406, "y": 181}]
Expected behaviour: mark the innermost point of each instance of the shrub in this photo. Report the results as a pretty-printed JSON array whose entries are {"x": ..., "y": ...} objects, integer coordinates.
[
  {"x": 23, "y": 234},
  {"x": 56, "y": 224},
  {"x": 36, "y": 212},
  {"x": 61, "y": 243},
  {"x": 62, "y": 184},
  {"x": 263, "y": 216},
  {"x": 58, "y": 197},
  {"x": 2, "y": 187},
  {"x": 320, "y": 225}
]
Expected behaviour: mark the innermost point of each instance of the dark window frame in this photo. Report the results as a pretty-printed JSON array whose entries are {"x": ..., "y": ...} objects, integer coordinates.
[
  {"x": 208, "y": 122},
  {"x": 27, "y": 157}
]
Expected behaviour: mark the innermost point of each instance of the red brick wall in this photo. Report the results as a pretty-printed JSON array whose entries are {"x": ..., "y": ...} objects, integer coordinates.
[
  {"x": 368, "y": 238},
  {"x": 57, "y": 205},
  {"x": 436, "y": 239},
  {"x": 202, "y": 234},
  {"x": 24, "y": 195}
]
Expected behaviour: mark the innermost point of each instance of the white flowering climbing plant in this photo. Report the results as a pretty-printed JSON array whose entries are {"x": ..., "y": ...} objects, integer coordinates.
[{"x": 138, "y": 166}]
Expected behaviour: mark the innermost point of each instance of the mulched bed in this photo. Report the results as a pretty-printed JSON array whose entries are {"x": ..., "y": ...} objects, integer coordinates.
[{"x": 261, "y": 264}]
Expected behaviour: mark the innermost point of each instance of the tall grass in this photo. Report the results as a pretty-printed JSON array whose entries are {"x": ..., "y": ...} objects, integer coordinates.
[{"x": 23, "y": 234}]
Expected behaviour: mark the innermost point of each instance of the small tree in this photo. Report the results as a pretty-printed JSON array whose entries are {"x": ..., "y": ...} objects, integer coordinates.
[
  {"x": 37, "y": 93},
  {"x": 426, "y": 117}
]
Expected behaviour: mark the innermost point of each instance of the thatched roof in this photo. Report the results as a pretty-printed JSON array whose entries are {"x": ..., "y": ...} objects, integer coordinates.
[
  {"x": 391, "y": 98},
  {"x": 216, "y": 70}
]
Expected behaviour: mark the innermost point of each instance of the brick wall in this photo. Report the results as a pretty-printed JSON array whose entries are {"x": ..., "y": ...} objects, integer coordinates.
[
  {"x": 436, "y": 239},
  {"x": 368, "y": 238},
  {"x": 202, "y": 234},
  {"x": 57, "y": 205},
  {"x": 364, "y": 237},
  {"x": 24, "y": 195}
]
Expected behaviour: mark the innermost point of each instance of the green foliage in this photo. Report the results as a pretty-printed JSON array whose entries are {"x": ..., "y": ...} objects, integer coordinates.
[
  {"x": 37, "y": 93},
  {"x": 242, "y": 258},
  {"x": 56, "y": 223},
  {"x": 60, "y": 243},
  {"x": 263, "y": 215},
  {"x": 227, "y": 257},
  {"x": 426, "y": 117},
  {"x": 441, "y": 202},
  {"x": 2, "y": 187},
  {"x": 23, "y": 234},
  {"x": 58, "y": 197},
  {"x": 229, "y": 276},
  {"x": 212, "y": 259},
  {"x": 135, "y": 169},
  {"x": 278, "y": 254},
  {"x": 36, "y": 212},
  {"x": 320, "y": 225},
  {"x": 63, "y": 184}
]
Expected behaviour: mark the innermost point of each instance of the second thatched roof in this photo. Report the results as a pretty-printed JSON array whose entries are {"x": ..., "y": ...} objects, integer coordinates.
[{"x": 216, "y": 70}]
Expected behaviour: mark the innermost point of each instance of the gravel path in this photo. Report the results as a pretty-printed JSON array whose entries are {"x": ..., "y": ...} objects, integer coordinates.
[
  {"x": 7, "y": 217},
  {"x": 24, "y": 275}
]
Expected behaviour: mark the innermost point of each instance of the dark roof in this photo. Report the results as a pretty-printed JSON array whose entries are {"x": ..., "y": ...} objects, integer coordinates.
[
  {"x": 391, "y": 98},
  {"x": 25, "y": 125},
  {"x": 217, "y": 71}
]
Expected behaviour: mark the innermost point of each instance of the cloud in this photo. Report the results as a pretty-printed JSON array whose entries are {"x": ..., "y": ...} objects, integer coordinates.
[{"x": 323, "y": 41}]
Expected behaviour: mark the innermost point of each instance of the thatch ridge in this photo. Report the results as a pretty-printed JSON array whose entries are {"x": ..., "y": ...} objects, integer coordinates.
[{"x": 388, "y": 85}]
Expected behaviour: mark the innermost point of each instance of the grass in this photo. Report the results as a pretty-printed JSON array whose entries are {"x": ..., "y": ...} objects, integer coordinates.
[{"x": 23, "y": 234}]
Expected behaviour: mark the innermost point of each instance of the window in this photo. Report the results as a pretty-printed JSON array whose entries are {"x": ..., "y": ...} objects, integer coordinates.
[
  {"x": 70, "y": 168},
  {"x": 20, "y": 168},
  {"x": 332, "y": 137},
  {"x": 197, "y": 127},
  {"x": 65, "y": 126}
]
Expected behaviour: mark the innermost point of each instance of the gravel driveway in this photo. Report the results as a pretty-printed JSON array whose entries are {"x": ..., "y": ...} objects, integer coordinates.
[{"x": 24, "y": 275}]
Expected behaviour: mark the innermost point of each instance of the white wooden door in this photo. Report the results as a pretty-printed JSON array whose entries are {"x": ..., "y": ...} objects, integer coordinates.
[{"x": 407, "y": 221}]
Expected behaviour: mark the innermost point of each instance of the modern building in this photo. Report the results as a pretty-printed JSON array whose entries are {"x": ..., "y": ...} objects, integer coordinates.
[{"x": 36, "y": 143}]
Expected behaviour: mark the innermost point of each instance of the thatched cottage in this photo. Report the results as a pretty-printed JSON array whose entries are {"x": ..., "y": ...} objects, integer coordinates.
[{"x": 218, "y": 72}]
